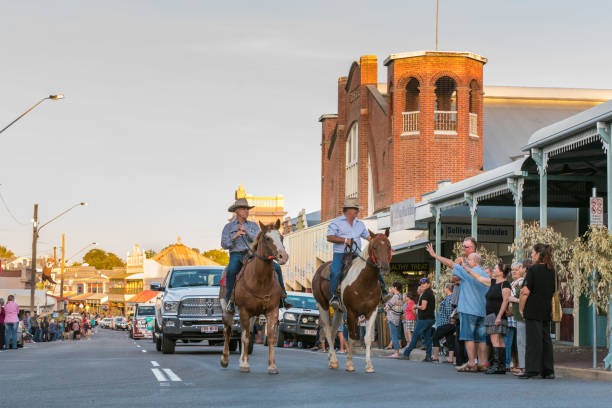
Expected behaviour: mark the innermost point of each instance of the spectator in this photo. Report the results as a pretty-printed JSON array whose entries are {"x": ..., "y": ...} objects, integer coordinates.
[
  {"x": 409, "y": 318},
  {"x": 45, "y": 329},
  {"x": 393, "y": 307},
  {"x": 509, "y": 338},
  {"x": 11, "y": 322},
  {"x": 2, "y": 328},
  {"x": 521, "y": 335},
  {"x": 341, "y": 340},
  {"x": 76, "y": 330},
  {"x": 52, "y": 330},
  {"x": 496, "y": 321},
  {"x": 471, "y": 308},
  {"x": 445, "y": 328},
  {"x": 536, "y": 306},
  {"x": 362, "y": 328},
  {"x": 60, "y": 330},
  {"x": 426, "y": 318}
]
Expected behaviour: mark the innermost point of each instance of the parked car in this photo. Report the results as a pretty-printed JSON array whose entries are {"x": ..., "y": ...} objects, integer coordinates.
[
  {"x": 143, "y": 321},
  {"x": 299, "y": 323},
  {"x": 106, "y": 323},
  {"x": 189, "y": 309},
  {"x": 119, "y": 323}
]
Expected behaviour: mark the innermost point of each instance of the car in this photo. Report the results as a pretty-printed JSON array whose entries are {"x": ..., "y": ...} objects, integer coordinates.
[
  {"x": 189, "y": 309},
  {"x": 106, "y": 323},
  {"x": 118, "y": 323},
  {"x": 300, "y": 322},
  {"x": 143, "y": 322}
]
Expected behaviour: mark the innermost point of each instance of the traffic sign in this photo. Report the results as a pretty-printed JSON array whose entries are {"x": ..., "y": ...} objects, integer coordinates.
[{"x": 596, "y": 210}]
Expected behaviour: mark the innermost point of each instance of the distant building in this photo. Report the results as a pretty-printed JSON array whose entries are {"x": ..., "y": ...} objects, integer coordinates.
[{"x": 267, "y": 209}]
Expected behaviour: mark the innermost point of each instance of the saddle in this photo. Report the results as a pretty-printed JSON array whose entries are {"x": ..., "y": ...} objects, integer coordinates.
[{"x": 347, "y": 261}]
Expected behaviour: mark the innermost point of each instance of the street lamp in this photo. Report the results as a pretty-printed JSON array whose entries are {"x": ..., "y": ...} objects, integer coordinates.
[
  {"x": 50, "y": 97},
  {"x": 35, "y": 230}
]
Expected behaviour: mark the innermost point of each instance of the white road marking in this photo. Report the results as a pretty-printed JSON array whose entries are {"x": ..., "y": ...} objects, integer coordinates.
[
  {"x": 144, "y": 351},
  {"x": 171, "y": 375},
  {"x": 138, "y": 346},
  {"x": 159, "y": 375},
  {"x": 155, "y": 363}
]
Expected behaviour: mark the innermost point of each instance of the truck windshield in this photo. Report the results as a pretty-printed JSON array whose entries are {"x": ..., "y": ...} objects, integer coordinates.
[
  {"x": 195, "y": 277},
  {"x": 303, "y": 302},
  {"x": 146, "y": 311}
]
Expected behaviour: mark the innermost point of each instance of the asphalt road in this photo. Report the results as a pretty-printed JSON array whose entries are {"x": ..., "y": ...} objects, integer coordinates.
[{"x": 112, "y": 370}]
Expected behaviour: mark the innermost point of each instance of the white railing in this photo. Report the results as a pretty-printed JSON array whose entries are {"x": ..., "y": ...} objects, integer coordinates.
[
  {"x": 445, "y": 121},
  {"x": 351, "y": 180},
  {"x": 473, "y": 124},
  {"x": 411, "y": 121}
]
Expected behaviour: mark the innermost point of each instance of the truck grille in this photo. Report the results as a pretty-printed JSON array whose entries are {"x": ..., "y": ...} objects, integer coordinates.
[
  {"x": 308, "y": 321},
  {"x": 200, "y": 306}
]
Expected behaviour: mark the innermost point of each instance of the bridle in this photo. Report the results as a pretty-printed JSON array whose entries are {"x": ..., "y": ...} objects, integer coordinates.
[
  {"x": 268, "y": 258},
  {"x": 353, "y": 250}
]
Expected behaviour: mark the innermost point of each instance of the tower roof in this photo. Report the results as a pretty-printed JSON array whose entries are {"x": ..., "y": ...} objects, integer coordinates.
[{"x": 412, "y": 54}]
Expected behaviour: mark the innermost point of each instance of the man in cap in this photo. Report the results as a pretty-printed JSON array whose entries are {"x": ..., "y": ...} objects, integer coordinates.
[
  {"x": 237, "y": 237},
  {"x": 426, "y": 311},
  {"x": 344, "y": 232}
]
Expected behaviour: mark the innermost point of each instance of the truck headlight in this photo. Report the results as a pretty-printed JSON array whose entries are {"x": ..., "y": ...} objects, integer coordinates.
[
  {"x": 170, "y": 307},
  {"x": 290, "y": 317}
]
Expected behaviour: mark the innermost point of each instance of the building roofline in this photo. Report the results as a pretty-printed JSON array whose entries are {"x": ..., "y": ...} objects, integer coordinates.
[
  {"x": 545, "y": 93},
  {"x": 326, "y": 116},
  {"x": 413, "y": 54}
]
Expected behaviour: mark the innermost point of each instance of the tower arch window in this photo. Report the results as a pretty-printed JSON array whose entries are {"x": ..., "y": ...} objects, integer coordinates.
[
  {"x": 352, "y": 162},
  {"x": 411, "y": 115},
  {"x": 475, "y": 96},
  {"x": 445, "y": 112}
]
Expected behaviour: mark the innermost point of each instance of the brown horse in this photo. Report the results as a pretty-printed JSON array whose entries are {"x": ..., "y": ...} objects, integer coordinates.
[
  {"x": 360, "y": 294},
  {"x": 256, "y": 292}
]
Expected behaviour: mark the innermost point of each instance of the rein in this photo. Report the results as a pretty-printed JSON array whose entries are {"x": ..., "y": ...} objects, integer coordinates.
[
  {"x": 265, "y": 298},
  {"x": 353, "y": 250}
]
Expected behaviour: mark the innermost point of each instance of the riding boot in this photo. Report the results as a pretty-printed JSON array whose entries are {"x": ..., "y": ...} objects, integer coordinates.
[
  {"x": 501, "y": 358},
  {"x": 230, "y": 307},
  {"x": 283, "y": 302},
  {"x": 493, "y": 362}
]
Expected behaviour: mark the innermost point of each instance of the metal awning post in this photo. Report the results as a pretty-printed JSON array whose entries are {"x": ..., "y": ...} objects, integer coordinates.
[
  {"x": 435, "y": 211},
  {"x": 473, "y": 205},
  {"x": 604, "y": 132},
  {"x": 516, "y": 188},
  {"x": 540, "y": 159}
]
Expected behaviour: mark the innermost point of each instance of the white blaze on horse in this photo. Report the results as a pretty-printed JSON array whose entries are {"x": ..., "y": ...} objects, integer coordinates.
[
  {"x": 360, "y": 292},
  {"x": 256, "y": 292}
]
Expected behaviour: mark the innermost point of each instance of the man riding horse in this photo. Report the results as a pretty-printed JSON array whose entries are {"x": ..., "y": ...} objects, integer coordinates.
[
  {"x": 345, "y": 232},
  {"x": 237, "y": 236}
]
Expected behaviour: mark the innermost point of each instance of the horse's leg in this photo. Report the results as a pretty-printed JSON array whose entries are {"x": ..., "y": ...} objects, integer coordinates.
[
  {"x": 350, "y": 321},
  {"x": 369, "y": 337},
  {"x": 325, "y": 322},
  {"x": 333, "y": 332},
  {"x": 227, "y": 331},
  {"x": 245, "y": 322},
  {"x": 271, "y": 324}
]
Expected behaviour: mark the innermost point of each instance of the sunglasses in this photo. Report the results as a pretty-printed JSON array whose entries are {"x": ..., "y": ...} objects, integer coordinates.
[{"x": 465, "y": 246}]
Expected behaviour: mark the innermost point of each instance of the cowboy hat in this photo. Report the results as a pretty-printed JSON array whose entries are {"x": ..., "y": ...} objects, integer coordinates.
[
  {"x": 351, "y": 203},
  {"x": 240, "y": 203}
]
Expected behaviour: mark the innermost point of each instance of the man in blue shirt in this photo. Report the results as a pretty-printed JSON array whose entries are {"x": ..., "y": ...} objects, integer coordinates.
[
  {"x": 471, "y": 308},
  {"x": 237, "y": 237},
  {"x": 344, "y": 232}
]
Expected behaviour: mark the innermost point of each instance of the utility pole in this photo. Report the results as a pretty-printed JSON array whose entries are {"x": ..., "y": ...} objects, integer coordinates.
[
  {"x": 63, "y": 271},
  {"x": 33, "y": 269}
]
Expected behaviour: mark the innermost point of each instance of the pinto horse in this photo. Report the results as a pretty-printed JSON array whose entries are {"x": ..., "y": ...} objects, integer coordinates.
[
  {"x": 360, "y": 294},
  {"x": 256, "y": 292}
]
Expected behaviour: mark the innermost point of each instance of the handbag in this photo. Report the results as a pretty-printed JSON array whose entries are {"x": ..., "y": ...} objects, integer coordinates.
[{"x": 557, "y": 313}]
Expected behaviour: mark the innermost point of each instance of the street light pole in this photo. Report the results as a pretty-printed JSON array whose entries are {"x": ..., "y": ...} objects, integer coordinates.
[
  {"x": 63, "y": 271},
  {"x": 51, "y": 97}
]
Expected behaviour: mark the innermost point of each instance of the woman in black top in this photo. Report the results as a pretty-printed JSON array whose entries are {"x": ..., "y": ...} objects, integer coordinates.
[
  {"x": 496, "y": 321},
  {"x": 536, "y": 308}
]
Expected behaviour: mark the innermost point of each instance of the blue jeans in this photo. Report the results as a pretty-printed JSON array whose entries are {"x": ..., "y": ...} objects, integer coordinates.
[
  {"x": 10, "y": 333},
  {"x": 472, "y": 328},
  {"x": 38, "y": 335},
  {"x": 508, "y": 339},
  {"x": 422, "y": 329},
  {"x": 396, "y": 334},
  {"x": 336, "y": 271},
  {"x": 233, "y": 268}
]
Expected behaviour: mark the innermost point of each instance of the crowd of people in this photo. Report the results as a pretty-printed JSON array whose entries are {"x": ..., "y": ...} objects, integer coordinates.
[
  {"x": 38, "y": 328},
  {"x": 493, "y": 320}
]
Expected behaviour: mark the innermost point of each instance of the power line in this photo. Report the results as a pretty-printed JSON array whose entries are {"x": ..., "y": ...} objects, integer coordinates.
[{"x": 10, "y": 212}]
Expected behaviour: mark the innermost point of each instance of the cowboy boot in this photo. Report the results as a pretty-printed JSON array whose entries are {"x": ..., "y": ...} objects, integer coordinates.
[
  {"x": 493, "y": 362},
  {"x": 283, "y": 301},
  {"x": 501, "y": 358}
]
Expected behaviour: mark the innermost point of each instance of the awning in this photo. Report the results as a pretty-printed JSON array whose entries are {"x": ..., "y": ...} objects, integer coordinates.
[
  {"x": 410, "y": 246},
  {"x": 143, "y": 297}
]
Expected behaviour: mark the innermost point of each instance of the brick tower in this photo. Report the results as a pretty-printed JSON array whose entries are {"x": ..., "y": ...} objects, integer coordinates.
[{"x": 436, "y": 107}]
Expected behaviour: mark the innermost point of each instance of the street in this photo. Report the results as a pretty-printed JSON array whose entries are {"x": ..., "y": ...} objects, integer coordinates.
[{"x": 112, "y": 370}]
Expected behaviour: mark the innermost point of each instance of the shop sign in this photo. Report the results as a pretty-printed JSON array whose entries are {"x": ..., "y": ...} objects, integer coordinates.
[
  {"x": 410, "y": 268},
  {"x": 503, "y": 234},
  {"x": 403, "y": 215},
  {"x": 596, "y": 210}
]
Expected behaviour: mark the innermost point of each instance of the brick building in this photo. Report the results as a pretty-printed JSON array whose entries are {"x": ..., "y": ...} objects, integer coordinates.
[{"x": 432, "y": 121}]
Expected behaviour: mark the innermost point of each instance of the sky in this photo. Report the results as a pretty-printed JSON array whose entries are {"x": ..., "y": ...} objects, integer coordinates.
[{"x": 170, "y": 105}]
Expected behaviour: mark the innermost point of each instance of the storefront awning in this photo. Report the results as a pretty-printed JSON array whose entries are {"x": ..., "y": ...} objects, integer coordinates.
[{"x": 143, "y": 297}]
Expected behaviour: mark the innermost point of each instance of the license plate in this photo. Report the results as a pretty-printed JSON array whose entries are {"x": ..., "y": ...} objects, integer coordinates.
[
  {"x": 209, "y": 329},
  {"x": 310, "y": 332}
]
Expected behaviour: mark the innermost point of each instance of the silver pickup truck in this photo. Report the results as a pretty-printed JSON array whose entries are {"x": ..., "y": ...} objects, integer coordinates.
[{"x": 189, "y": 310}]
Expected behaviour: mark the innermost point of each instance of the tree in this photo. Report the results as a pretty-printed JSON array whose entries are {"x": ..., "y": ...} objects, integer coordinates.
[
  {"x": 100, "y": 259},
  {"x": 150, "y": 253},
  {"x": 220, "y": 256},
  {"x": 76, "y": 264},
  {"x": 5, "y": 252}
]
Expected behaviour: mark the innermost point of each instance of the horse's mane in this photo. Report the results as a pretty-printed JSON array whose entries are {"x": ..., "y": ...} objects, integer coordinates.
[{"x": 255, "y": 242}]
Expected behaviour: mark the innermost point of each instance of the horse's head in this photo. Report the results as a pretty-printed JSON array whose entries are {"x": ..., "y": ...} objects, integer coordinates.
[
  {"x": 271, "y": 242},
  {"x": 379, "y": 250}
]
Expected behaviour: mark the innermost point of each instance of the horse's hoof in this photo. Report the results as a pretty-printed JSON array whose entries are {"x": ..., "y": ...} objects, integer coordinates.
[
  {"x": 333, "y": 365},
  {"x": 350, "y": 368},
  {"x": 370, "y": 370},
  {"x": 245, "y": 369},
  {"x": 224, "y": 364},
  {"x": 272, "y": 370}
]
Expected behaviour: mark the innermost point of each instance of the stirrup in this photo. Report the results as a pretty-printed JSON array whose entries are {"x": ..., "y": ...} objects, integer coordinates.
[
  {"x": 284, "y": 304},
  {"x": 335, "y": 302},
  {"x": 230, "y": 307}
]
